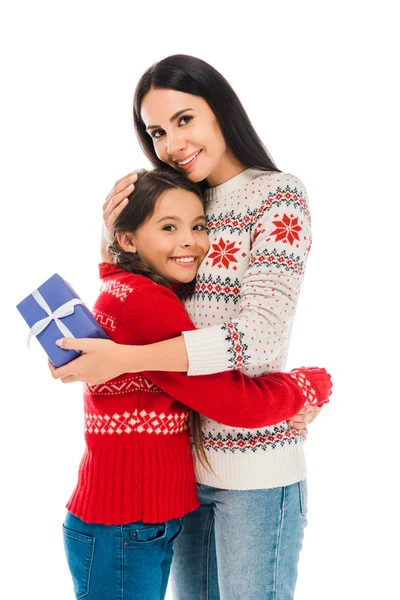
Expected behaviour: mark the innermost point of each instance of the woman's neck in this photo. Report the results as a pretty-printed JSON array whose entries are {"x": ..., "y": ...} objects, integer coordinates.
[{"x": 228, "y": 168}]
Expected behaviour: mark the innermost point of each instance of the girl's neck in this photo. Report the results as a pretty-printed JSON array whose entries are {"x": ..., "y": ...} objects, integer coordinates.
[{"x": 228, "y": 168}]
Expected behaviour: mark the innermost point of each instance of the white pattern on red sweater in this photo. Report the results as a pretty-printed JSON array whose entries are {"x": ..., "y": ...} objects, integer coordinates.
[
  {"x": 244, "y": 303},
  {"x": 137, "y": 464}
]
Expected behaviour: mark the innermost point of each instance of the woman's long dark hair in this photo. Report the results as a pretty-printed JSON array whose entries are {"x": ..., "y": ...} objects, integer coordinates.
[
  {"x": 142, "y": 203},
  {"x": 194, "y": 76}
]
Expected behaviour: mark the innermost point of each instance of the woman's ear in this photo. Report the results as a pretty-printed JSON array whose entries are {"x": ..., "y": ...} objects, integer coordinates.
[{"x": 125, "y": 240}]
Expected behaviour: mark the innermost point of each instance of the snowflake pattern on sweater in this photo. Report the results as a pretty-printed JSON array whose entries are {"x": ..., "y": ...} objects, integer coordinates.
[{"x": 243, "y": 303}]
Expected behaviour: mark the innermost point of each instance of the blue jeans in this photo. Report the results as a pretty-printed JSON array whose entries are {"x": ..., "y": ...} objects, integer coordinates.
[
  {"x": 124, "y": 562},
  {"x": 241, "y": 545}
]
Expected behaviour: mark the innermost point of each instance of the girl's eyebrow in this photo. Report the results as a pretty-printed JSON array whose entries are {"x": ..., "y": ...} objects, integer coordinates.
[
  {"x": 175, "y": 116},
  {"x": 171, "y": 218}
]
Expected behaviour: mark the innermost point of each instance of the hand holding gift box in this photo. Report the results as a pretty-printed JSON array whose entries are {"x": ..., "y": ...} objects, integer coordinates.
[{"x": 55, "y": 310}]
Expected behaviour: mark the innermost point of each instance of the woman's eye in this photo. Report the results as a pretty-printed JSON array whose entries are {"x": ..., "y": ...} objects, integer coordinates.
[
  {"x": 185, "y": 120},
  {"x": 199, "y": 228},
  {"x": 157, "y": 133},
  {"x": 169, "y": 228}
]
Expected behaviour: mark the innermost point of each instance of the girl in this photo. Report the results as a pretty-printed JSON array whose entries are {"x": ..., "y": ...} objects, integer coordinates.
[
  {"x": 136, "y": 479},
  {"x": 249, "y": 527}
]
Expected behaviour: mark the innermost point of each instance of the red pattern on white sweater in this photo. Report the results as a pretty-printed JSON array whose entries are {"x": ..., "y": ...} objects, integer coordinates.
[{"x": 256, "y": 211}]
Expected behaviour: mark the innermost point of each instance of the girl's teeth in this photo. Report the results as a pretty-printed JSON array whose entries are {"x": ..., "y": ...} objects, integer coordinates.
[{"x": 185, "y": 260}]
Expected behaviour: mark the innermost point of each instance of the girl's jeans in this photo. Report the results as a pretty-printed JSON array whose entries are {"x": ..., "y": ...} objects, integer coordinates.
[
  {"x": 124, "y": 562},
  {"x": 241, "y": 545}
]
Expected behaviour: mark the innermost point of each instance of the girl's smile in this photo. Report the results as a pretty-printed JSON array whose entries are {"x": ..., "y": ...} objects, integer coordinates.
[{"x": 173, "y": 241}]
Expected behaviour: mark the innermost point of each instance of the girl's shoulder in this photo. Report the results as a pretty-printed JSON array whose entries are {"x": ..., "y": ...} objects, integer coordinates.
[{"x": 116, "y": 278}]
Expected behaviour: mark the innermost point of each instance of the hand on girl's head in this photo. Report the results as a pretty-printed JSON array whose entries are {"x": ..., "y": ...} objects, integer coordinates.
[{"x": 117, "y": 199}]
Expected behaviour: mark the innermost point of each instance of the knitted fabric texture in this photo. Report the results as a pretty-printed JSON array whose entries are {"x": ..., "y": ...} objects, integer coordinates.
[
  {"x": 243, "y": 305},
  {"x": 137, "y": 464}
]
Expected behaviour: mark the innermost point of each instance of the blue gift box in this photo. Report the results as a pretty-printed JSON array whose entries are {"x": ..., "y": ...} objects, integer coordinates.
[{"x": 80, "y": 322}]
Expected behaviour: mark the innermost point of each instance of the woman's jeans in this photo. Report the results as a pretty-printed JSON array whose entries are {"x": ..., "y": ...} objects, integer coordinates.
[
  {"x": 241, "y": 545},
  {"x": 124, "y": 562}
]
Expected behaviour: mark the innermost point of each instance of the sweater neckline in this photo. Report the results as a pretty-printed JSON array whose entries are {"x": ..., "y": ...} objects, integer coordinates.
[{"x": 232, "y": 184}]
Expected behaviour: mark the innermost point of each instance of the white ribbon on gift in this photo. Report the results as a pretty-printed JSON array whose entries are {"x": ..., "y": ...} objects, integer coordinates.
[{"x": 65, "y": 310}]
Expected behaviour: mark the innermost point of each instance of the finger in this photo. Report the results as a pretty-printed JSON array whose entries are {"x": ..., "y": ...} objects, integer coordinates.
[
  {"x": 120, "y": 186},
  {"x": 116, "y": 200},
  {"x": 306, "y": 410},
  {"x": 79, "y": 344},
  {"x": 119, "y": 190},
  {"x": 51, "y": 366},
  {"x": 63, "y": 372},
  {"x": 296, "y": 423},
  {"x": 133, "y": 175},
  {"x": 116, "y": 212},
  {"x": 69, "y": 379}
]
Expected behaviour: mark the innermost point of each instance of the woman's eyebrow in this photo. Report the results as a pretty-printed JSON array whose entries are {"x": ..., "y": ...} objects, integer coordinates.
[{"x": 175, "y": 116}]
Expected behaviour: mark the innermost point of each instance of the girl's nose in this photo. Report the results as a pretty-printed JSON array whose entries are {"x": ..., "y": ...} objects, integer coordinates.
[{"x": 188, "y": 240}]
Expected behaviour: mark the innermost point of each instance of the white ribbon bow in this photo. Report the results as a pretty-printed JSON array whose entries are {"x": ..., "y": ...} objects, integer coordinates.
[{"x": 65, "y": 310}]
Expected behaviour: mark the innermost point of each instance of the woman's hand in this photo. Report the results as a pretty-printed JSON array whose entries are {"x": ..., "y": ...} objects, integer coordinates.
[
  {"x": 101, "y": 360},
  {"x": 304, "y": 418},
  {"x": 115, "y": 202}
]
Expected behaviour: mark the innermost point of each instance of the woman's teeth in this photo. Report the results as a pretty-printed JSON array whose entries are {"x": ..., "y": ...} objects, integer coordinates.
[{"x": 188, "y": 160}]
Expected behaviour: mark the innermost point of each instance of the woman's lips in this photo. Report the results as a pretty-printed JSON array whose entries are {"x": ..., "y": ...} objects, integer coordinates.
[{"x": 188, "y": 165}]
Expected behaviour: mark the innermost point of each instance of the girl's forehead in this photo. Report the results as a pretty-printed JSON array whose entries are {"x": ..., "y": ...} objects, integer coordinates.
[{"x": 178, "y": 202}]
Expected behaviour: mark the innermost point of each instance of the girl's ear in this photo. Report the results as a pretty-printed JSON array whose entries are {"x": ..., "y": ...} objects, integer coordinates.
[{"x": 125, "y": 240}]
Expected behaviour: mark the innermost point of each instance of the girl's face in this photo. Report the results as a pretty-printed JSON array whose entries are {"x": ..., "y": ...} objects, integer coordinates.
[
  {"x": 173, "y": 241},
  {"x": 186, "y": 135}
]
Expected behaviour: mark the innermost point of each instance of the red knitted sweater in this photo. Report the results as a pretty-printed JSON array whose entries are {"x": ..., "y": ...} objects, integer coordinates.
[{"x": 137, "y": 465}]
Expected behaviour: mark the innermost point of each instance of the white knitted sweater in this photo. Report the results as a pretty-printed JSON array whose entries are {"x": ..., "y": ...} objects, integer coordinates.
[{"x": 244, "y": 303}]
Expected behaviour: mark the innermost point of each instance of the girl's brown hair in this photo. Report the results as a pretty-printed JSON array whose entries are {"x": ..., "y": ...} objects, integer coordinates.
[{"x": 142, "y": 203}]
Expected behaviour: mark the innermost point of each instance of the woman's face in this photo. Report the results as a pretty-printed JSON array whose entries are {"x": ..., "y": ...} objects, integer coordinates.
[
  {"x": 173, "y": 242},
  {"x": 186, "y": 135}
]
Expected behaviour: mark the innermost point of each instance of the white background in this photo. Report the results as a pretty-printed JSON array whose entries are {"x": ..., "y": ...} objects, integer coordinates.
[{"x": 318, "y": 80}]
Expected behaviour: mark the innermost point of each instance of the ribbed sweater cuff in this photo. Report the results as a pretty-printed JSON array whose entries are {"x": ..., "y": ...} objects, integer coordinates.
[{"x": 207, "y": 351}]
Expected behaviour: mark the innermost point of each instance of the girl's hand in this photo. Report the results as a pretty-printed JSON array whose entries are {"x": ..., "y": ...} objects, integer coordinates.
[
  {"x": 115, "y": 202},
  {"x": 101, "y": 360},
  {"x": 304, "y": 418}
]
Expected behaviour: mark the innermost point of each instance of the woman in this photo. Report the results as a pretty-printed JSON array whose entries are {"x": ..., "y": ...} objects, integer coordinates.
[
  {"x": 244, "y": 540},
  {"x": 136, "y": 478}
]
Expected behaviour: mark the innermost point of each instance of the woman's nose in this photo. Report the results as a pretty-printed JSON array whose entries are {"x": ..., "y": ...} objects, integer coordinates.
[{"x": 175, "y": 145}]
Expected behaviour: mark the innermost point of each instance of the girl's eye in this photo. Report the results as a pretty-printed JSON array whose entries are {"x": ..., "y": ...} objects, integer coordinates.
[
  {"x": 185, "y": 120},
  {"x": 199, "y": 227},
  {"x": 169, "y": 227}
]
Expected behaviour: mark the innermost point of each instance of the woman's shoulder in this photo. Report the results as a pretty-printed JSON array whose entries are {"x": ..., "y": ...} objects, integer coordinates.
[
  {"x": 276, "y": 187},
  {"x": 278, "y": 179}
]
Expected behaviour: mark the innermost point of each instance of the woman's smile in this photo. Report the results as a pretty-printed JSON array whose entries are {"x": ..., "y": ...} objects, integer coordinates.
[{"x": 186, "y": 163}]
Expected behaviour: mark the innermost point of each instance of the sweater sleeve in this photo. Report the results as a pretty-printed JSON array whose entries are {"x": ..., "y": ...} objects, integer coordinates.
[
  {"x": 154, "y": 313},
  {"x": 280, "y": 242}
]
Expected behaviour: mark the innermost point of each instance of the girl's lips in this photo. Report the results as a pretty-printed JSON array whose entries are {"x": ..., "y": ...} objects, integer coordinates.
[
  {"x": 189, "y": 164},
  {"x": 185, "y": 264}
]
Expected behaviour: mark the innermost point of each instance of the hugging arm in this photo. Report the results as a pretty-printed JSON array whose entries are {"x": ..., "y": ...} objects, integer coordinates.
[{"x": 231, "y": 398}]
